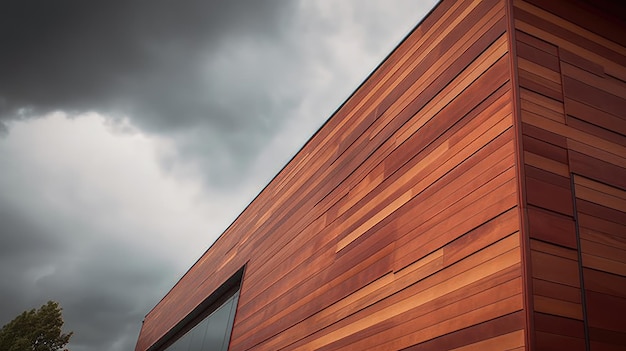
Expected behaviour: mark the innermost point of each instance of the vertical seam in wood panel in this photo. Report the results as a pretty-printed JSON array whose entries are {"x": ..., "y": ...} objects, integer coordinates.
[
  {"x": 523, "y": 216},
  {"x": 581, "y": 277},
  {"x": 583, "y": 295}
]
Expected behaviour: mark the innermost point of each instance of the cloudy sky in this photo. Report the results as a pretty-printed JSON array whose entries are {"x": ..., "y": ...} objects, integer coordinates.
[{"x": 132, "y": 133}]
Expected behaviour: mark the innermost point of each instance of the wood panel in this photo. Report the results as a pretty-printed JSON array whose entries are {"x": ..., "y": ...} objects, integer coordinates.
[
  {"x": 571, "y": 66},
  {"x": 602, "y": 212},
  {"x": 397, "y": 224},
  {"x": 558, "y": 333}
]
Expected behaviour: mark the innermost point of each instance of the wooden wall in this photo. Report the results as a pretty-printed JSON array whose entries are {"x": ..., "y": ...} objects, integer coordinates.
[
  {"x": 397, "y": 225},
  {"x": 571, "y": 69}
]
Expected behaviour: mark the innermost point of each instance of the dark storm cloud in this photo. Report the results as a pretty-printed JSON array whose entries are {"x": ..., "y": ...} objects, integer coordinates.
[{"x": 164, "y": 64}]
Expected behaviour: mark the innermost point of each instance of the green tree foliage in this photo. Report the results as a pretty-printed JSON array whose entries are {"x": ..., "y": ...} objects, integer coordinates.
[{"x": 35, "y": 330}]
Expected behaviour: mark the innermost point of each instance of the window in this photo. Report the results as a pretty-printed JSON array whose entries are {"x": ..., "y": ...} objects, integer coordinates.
[
  {"x": 213, "y": 332},
  {"x": 209, "y": 326}
]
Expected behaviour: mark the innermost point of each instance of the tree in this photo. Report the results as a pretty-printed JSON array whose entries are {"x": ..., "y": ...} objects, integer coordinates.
[{"x": 35, "y": 330}]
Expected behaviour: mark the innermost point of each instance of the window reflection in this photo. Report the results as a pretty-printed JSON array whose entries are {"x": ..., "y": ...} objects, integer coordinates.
[{"x": 213, "y": 333}]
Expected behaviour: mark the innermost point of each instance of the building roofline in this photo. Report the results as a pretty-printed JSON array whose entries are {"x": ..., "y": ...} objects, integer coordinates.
[{"x": 367, "y": 78}]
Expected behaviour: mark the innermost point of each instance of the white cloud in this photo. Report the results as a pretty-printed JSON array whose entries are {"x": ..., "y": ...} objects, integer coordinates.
[{"x": 83, "y": 172}]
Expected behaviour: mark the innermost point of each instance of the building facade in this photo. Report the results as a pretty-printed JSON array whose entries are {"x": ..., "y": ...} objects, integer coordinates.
[{"x": 470, "y": 194}]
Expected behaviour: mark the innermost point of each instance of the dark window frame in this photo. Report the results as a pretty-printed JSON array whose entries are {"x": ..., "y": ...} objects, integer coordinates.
[{"x": 214, "y": 301}]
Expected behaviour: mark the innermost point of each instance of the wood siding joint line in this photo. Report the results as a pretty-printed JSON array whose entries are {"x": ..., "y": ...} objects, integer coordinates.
[{"x": 583, "y": 295}]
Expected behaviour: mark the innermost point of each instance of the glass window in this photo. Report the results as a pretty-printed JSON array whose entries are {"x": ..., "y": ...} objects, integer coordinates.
[{"x": 213, "y": 332}]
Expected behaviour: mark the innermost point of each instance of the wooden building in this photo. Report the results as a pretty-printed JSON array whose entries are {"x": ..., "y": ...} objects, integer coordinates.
[{"x": 470, "y": 195}]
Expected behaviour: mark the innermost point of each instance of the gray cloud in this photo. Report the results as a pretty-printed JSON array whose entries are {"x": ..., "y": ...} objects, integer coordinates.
[
  {"x": 105, "y": 287},
  {"x": 106, "y": 246},
  {"x": 78, "y": 55},
  {"x": 106, "y": 294},
  {"x": 172, "y": 67}
]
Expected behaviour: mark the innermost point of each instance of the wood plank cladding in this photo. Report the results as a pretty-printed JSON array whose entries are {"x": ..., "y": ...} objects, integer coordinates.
[
  {"x": 603, "y": 255},
  {"x": 572, "y": 83},
  {"x": 471, "y": 194}
]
